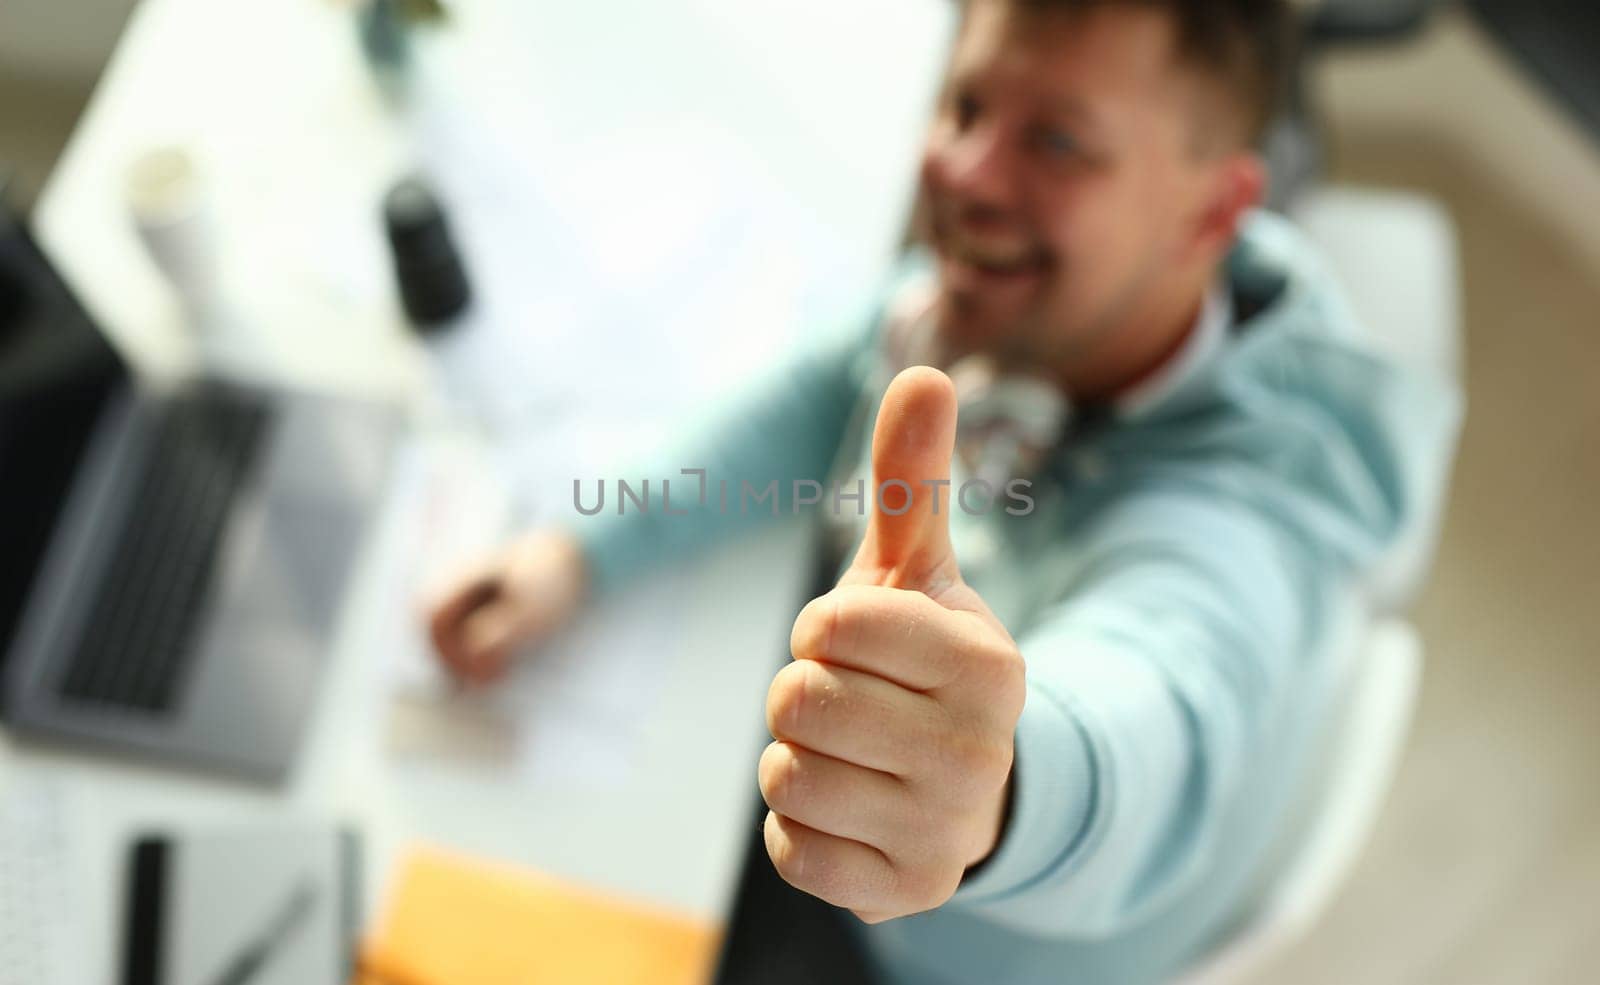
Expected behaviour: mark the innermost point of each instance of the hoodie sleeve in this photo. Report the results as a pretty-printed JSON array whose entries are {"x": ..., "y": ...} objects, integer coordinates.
[{"x": 782, "y": 428}]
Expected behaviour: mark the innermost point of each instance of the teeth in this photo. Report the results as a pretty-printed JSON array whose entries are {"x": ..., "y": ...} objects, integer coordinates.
[{"x": 995, "y": 259}]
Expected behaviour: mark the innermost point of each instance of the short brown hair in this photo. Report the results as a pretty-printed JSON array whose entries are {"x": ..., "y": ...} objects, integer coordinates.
[{"x": 1246, "y": 45}]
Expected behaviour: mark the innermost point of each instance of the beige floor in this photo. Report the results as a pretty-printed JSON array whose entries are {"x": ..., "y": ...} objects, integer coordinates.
[{"x": 1485, "y": 866}]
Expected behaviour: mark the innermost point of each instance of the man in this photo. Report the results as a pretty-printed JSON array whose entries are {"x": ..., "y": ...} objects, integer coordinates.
[{"x": 1065, "y": 757}]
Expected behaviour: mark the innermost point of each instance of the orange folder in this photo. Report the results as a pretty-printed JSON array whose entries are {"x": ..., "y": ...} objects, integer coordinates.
[{"x": 453, "y": 920}]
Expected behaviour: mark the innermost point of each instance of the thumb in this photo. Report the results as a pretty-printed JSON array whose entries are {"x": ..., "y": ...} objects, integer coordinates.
[
  {"x": 907, "y": 544},
  {"x": 488, "y": 635}
]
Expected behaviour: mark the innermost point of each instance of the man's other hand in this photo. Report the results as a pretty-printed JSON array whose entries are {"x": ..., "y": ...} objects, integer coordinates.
[{"x": 516, "y": 598}]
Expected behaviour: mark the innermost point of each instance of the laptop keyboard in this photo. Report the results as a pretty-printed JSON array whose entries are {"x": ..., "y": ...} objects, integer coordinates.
[{"x": 139, "y": 638}]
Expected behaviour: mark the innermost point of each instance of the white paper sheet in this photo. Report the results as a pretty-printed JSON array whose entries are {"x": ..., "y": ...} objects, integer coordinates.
[{"x": 570, "y": 712}]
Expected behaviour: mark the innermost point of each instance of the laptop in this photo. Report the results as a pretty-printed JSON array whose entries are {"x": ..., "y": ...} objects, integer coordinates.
[{"x": 172, "y": 561}]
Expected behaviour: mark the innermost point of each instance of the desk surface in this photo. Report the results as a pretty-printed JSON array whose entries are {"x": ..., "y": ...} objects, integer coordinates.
[{"x": 606, "y": 182}]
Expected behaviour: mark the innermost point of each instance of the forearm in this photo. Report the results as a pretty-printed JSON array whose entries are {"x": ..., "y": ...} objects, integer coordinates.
[
  {"x": 1150, "y": 694},
  {"x": 734, "y": 470}
]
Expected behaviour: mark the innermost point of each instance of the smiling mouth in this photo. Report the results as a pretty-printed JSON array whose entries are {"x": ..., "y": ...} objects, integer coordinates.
[
  {"x": 988, "y": 257},
  {"x": 997, "y": 264},
  {"x": 977, "y": 263}
]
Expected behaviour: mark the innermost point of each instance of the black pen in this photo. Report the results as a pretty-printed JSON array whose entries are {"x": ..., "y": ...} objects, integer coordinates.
[{"x": 288, "y": 919}]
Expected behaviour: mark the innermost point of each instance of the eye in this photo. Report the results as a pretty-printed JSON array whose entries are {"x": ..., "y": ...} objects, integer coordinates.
[{"x": 1055, "y": 142}]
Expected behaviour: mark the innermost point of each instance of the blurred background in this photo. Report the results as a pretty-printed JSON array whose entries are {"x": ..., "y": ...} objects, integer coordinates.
[
  {"x": 1484, "y": 865},
  {"x": 1489, "y": 846}
]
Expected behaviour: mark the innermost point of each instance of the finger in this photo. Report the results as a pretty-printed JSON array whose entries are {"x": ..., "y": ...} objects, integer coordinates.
[
  {"x": 487, "y": 636},
  {"x": 837, "y": 870},
  {"x": 835, "y": 797},
  {"x": 907, "y": 543},
  {"x": 450, "y": 605},
  {"x": 855, "y": 717},
  {"x": 900, "y": 635},
  {"x": 447, "y": 610}
]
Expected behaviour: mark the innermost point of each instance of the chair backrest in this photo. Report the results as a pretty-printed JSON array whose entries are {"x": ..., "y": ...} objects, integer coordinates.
[
  {"x": 1365, "y": 734},
  {"x": 1395, "y": 255},
  {"x": 1331, "y": 22}
]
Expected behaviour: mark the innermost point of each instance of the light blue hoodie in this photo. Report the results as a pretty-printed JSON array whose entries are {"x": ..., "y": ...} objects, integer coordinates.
[{"x": 1179, "y": 591}]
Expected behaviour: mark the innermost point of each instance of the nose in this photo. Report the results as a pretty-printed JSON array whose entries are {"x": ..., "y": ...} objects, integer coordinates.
[{"x": 974, "y": 165}]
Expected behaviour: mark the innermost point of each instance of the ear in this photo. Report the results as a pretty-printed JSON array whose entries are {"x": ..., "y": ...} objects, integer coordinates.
[{"x": 1231, "y": 186}]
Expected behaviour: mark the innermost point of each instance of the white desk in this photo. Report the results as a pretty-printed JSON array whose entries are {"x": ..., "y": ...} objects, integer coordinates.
[{"x": 601, "y": 158}]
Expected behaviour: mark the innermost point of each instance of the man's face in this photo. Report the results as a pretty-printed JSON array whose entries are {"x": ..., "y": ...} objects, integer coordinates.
[{"x": 1061, "y": 185}]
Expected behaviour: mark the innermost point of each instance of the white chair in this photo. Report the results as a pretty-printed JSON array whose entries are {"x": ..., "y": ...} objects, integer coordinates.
[
  {"x": 1367, "y": 734},
  {"x": 1396, "y": 255}
]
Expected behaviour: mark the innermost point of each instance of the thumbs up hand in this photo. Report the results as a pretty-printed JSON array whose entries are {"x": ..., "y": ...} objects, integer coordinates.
[{"x": 894, "y": 722}]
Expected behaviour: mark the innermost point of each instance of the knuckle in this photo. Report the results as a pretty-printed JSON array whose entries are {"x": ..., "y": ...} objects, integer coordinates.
[
  {"x": 829, "y": 624},
  {"x": 1001, "y": 664},
  {"x": 780, "y": 777},
  {"x": 787, "y": 854},
  {"x": 812, "y": 627},
  {"x": 816, "y": 867},
  {"x": 999, "y": 674},
  {"x": 791, "y": 698},
  {"x": 1013, "y": 668},
  {"x": 993, "y": 757}
]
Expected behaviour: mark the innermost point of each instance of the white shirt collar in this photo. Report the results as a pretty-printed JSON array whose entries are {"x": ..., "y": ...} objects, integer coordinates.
[{"x": 1205, "y": 340}]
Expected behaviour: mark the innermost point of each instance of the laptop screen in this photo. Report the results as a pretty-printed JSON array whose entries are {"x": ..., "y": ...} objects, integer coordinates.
[{"x": 56, "y": 372}]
